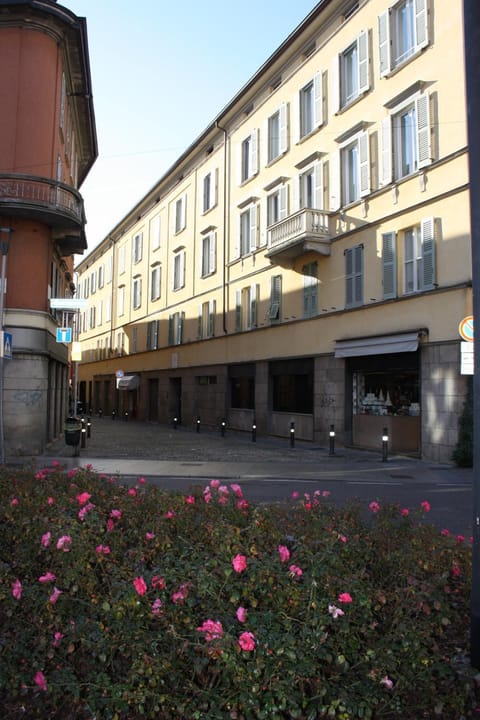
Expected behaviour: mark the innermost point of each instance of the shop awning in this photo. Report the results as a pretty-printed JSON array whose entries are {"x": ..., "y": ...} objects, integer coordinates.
[
  {"x": 379, "y": 345},
  {"x": 129, "y": 382}
]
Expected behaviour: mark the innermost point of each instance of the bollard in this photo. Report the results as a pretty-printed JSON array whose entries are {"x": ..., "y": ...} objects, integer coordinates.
[
  {"x": 332, "y": 440},
  {"x": 114, "y": 414},
  {"x": 223, "y": 425},
  {"x": 198, "y": 423},
  {"x": 126, "y": 415},
  {"x": 254, "y": 431},
  {"x": 83, "y": 434},
  {"x": 175, "y": 423},
  {"x": 100, "y": 413},
  {"x": 385, "y": 445},
  {"x": 292, "y": 434},
  {"x": 89, "y": 427}
]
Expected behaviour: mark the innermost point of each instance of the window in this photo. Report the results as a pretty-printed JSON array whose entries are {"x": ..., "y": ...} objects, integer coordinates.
[
  {"x": 277, "y": 134},
  {"x": 152, "y": 335},
  {"x": 178, "y": 271},
  {"x": 389, "y": 265},
  {"x": 180, "y": 214},
  {"x": 311, "y": 188},
  {"x": 93, "y": 282},
  {"x": 136, "y": 292},
  {"x": 206, "y": 319},
  {"x": 121, "y": 260},
  {"x": 155, "y": 232},
  {"x": 109, "y": 269},
  {"x": 86, "y": 286},
  {"x": 92, "y": 317},
  {"x": 101, "y": 275},
  {"x": 137, "y": 243},
  {"x": 63, "y": 95},
  {"x": 155, "y": 282},
  {"x": 419, "y": 257},
  {"x": 246, "y": 305},
  {"x": 277, "y": 205},
  {"x": 402, "y": 32},
  {"x": 275, "y": 310},
  {"x": 100, "y": 312},
  {"x": 248, "y": 232},
  {"x": 210, "y": 182},
  {"x": 175, "y": 328},
  {"x": 208, "y": 256},
  {"x": 406, "y": 141},
  {"x": 121, "y": 300},
  {"x": 108, "y": 309},
  {"x": 351, "y": 73},
  {"x": 242, "y": 386},
  {"x": 355, "y": 169},
  {"x": 310, "y": 290},
  {"x": 292, "y": 385},
  {"x": 134, "y": 338},
  {"x": 311, "y": 106},
  {"x": 249, "y": 157},
  {"x": 354, "y": 276}
]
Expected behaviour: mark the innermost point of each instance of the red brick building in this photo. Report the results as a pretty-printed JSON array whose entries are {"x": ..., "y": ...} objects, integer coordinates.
[{"x": 47, "y": 147}]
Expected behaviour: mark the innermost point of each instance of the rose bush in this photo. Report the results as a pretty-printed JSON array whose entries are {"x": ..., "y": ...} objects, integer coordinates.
[{"x": 118, "y": 603}]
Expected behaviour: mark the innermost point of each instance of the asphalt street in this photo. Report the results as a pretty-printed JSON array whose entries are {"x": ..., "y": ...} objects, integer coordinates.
[{"x": 269, "y": 469}]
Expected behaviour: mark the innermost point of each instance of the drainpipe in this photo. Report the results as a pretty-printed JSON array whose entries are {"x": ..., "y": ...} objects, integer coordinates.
[{"x": 226, "y": 224}]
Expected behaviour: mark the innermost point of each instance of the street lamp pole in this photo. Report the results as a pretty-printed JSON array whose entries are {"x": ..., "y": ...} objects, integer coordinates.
[{"x": 5, "y": 233}]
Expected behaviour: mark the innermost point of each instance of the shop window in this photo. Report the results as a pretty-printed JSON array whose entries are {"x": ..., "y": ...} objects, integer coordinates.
[
  {"x": 386, "y": 393},
  {"x": 292, "y": 385}
]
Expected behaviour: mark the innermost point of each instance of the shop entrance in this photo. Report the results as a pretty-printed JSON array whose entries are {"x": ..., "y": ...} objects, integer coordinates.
[{"x": 386, "y": 394}]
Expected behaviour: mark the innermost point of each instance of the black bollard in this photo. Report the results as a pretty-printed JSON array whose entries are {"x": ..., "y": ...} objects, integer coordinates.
[
  {"x": 198, "y": 423},
  {"x": 223, "y": 425},
  {"x": 385, "y": 445},
  {"x": 114, "y": 414},
  {"x": 100, "y": 413},
  {"x": 83, "y": 434},
  {"x": 332, "y": 440},
  {"x": 126, "y": 415},
  {"x": 292, "y": 434},
  {"x": 89, "y": 427},
  {"x": 175, "y": 423},
  {"x": 254, "y": 431}
]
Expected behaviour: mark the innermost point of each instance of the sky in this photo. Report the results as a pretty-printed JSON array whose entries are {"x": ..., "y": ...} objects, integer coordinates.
[{"x": 161, "y": 72}]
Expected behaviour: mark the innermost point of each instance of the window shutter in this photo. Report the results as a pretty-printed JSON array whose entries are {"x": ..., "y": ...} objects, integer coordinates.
[
  {"x": 149, "y": 336},
  {"x": 389, "y": 265},
  {"x": 335, "y": 197},
  {"x": 384, "y": 42},
  {"x": 386, "y": 151},
  {"x": 318, "y": 185},
  {"x": 336, "y": 84},
  {"x": 283, "y": 113},
  {"x": 183, "y": 212},
  {"x": 200, "y": 322},
  {"x": 180, "y": 320},
  {"x": 422, "y": 112},
  {"x": 213, "y": 252},
  {"x": 363, "y": 62},
  {"x": 296, "y": 115},
  {"x": 238, "y": 237},
  {"x": 358, "y": 270},
  {"x": 253, "y": 305},
  {"x": 317, "y": 100},
  {"x": 253, "y": 228},
  {"x": 155, "y": 334},
  {"x": 428, "y": 253},
  {"x": 211, "y": 318},
  {"x": 170, "y": 329},
  {"x": 266, "y": 144},
  {"x": 215, "y": 188},
  {"x": 282, "y": 202},
  {"x": 254, "y": 152},
  {"x": 275, "y": 297},
  {"x": 364, "y": 162},
  {"x": 349, "y": 276},
  {"x": 421, "y": 24},
  {"x": 238, "y": 310}
]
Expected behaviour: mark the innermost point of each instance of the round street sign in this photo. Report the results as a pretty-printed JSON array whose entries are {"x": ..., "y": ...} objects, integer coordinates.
[
  {"x": 465, "y": 328},
  {"x": 119, "y": 373}
]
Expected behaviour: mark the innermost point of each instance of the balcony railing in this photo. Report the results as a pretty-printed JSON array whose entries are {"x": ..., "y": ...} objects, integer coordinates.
[
  {"x": 32, "y": 196},
  {"x": 301, "y": 232}
]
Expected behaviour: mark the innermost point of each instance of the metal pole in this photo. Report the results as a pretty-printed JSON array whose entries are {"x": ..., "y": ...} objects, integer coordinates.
[
  {"x": 4, "y": 249},
  {"x": 332, "y": 440},
  {"x": 471, "y": 22},
  {"x": 385, "y": 445}
]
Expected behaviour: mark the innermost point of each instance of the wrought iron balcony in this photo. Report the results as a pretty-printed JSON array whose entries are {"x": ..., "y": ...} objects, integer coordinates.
[
  {"x": 49, "y": 201},
  {"x": 304, "y": 231}
]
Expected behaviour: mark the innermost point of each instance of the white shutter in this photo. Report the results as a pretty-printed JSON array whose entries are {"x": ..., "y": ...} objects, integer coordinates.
[
  {"x": 296, "y": 117},
  {"x": 266, "y": 142},
  {"x": 363, "y": 62},
  {"x": 238, "y": 237},
  {"x": 253, "y": 305},
  {"x": 317, "y": 100},
  {"x": 182, "y": 269},
  {"x": 238, "y": 310},
  {"x": 211, "y": 317},
  {"x": 200, "y": 321},
  {"x": 421, "y": 24},
  {"x": 283, "y": 114},
  {"x": 254, "y": 152},
  {"x": 213, "y": 252},
  {"x": 282, "y": 202},
  {"x": 428, "y": 253},
  {"x": 183, "y": 210},
  {"x": 253, "y": 227},
  {"x": 422, "y": 112},
  {"x": 318, "y": 185},
  {"x": 389, "y": 265},
  {"x": 215, "y": 187},
  {"x": 386, "y": 151},
  {"x": 335, "y": 194},
  {"x": 336, "y": 84},
  {"x": 364, "y": 162},
  {"x": 384, "y": 42}
]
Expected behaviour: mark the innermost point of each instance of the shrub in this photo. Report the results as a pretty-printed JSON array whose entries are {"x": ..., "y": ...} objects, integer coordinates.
[{"x": 122, "y": 603}]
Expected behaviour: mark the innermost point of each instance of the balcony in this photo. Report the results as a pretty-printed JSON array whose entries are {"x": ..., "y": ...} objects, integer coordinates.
[
  {"x": 48, "y": 201},
  {"x": 305, "y": 231}
]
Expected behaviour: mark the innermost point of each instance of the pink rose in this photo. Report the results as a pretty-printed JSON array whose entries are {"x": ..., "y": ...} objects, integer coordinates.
[
  {"x": 48, "y": 577},
  {"x": 40, "y": 681},
  {"x": 17, "y": 589},
  {"x": 284, "y": 553},
  {"x": 212, "y": 628},
  {"x": 241, "y": 614},
  {"x": 295, "y": 570},
  {"x": 140, "y": 585},
  {"x": 46, "y": 537},
  {"x": 64, "y": 543},
  {"x": 425, "y": 505},
  {"x": 374, "y": 507},
  {"x": 247, "y": 641},
  {"x": 83, "y": 498},
  {"x": 239, "y": 563},
  {"x": 345, "y": 598},
  {"x": 55, "y": 595}
]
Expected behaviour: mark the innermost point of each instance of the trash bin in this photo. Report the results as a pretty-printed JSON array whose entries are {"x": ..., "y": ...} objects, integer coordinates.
[{"x": 73, "y": 429}]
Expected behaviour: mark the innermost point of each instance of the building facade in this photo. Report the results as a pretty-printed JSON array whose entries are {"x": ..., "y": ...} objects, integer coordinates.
[
  {"x": 47, "y": 146},
  {"x": 307, "y": 259}
]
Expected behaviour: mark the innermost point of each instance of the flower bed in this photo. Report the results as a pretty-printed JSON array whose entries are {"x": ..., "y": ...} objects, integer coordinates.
[{"x": 122, "y": 603}]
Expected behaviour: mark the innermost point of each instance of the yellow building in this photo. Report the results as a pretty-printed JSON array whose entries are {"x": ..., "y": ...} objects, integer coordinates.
[{"x": 307, "y": 259}]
